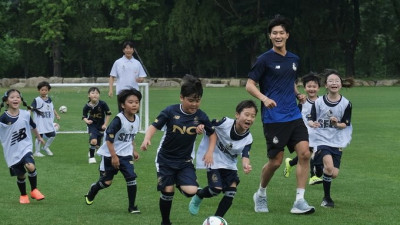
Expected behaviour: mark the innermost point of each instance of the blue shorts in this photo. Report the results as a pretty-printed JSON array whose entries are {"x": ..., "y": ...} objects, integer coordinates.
[
  {"x": 324, "y": 150},
  {"x": 18, "y": 169},
  {"x": 279, "y": 135},
  {"x": 126, "y": 167},
  {"x": 181, "y": 173},
  {"x": 222, "y": 178},
  {"x": 95, "y": 133}
]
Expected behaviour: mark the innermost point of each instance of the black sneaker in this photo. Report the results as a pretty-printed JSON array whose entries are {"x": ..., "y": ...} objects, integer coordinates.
[
  {"x": 327, "y": 203},
  {"x": 134, "y": 210}
]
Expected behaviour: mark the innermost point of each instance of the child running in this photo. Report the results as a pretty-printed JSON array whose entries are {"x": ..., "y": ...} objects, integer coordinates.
[
  {"x": 45, "y": 119},
  {"x": 118, "y": 151},
  {"x": 311, "y": 84},
  {"x": 331, "y": 118},
  {"x": 96, "y": 115},
  {"x": 16, "y": 139},
  {"x": 233, "y": 139},
  {"x": 174, "y": 155}
]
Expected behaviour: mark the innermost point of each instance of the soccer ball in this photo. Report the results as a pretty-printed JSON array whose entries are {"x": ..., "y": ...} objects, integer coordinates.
[
  {"x": 63, "y": 109},
  {"x": 56, "y": 126},
  {"x": 215, "y": 220}
]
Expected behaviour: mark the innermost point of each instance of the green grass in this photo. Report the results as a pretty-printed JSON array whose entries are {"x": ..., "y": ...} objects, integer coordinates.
[{"x": 366, "y": 191}]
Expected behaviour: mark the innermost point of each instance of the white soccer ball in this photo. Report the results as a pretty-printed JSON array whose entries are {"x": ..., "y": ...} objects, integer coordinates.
[
  {"x": 63, "y": 109},
  {"x": 215, "y": 220},
  {"x": 56, "y": 126}
]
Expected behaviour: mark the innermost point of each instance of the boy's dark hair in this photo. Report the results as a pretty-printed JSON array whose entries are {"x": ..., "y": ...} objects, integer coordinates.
[
  {"x": 246, "y": 104},
  {"x": 279, "y": 20},
  {"x": 43, "y": 84},
  {"x": 93, "y": 89},
  {"x": 347, "y": 82},
  {"x": 191, "y": 86},
  {"x": 124, "y": 94},
  {"x": 126, "y": 43},
  {"x": 311, "y": 76},
  {"x": 5, "y": 97}
]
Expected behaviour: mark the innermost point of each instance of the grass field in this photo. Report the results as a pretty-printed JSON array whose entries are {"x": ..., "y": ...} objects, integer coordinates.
[{"x": 366, "y": 191}]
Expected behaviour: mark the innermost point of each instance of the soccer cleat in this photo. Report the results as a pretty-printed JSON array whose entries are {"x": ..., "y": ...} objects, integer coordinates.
[
  {"x": 88, "y": 201},
  {"x": 288, "y": 168},
  {"x": 35, "y": 194},
  {"x": 92, "y": 160},
  {"x": 194, "y": 205},
  {"x": 260, "y": 203},
  {"x": 38, "y": 154},
  {"x": 24, "y": 199},
  {"x": 301, "y": 207},
  {"x": 134, "y": 210},
  {"x": 315, "y": 180},
  {"x": 327, "y": 203},
  {"x": 48, "y": 151}
]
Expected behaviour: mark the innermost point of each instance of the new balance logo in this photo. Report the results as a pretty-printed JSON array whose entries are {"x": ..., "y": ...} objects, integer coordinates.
[{"x": 18, "y": 136}]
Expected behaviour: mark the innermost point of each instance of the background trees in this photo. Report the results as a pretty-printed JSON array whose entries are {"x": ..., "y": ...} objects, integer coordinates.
[{"x": 207, "y": 38}]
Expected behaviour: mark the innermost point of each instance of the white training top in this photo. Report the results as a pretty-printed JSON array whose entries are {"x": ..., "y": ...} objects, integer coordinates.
[
  {"x": 123, "y": 138},
  {"x": 327, "y": 134},
  {"x": 226, "y": 150},
  {"x": 126, "y": 71},
  {"x": 306, "y": 113},
  {"x": 16, "y": 138},
  {"x": 44, "y": 122}
]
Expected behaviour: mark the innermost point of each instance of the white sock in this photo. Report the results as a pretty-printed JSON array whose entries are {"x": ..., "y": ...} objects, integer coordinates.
[
  {"x": 262, "y": 191},
  {"x": 37, "y": 146},
  {"x": 300, "y": 193},
  {"x": 48, "y": 142}
]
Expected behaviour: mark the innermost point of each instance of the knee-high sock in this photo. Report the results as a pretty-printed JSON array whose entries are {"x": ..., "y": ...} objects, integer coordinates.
[
  {"x": 226, "y": 201},
  {"x": 91, "y": 150},
  {"x": 37, "y": 146},
  {"x": 32, "y": 176},
  {"x": 95, "y": 188},
  {"x": 327, "y": 185},
  {"x": 208, "y": 192},
  {"x": 21, "y": 186},
  {"x": 165, "y": 206},
  {"x": 131, "y": 188},
  {"x": 49, "y": 141}
]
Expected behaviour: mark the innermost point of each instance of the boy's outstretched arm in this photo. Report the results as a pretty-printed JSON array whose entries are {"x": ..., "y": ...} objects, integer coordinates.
[
  {"x": 151, "y": 130},
  {"x": 208, "y": 157}
]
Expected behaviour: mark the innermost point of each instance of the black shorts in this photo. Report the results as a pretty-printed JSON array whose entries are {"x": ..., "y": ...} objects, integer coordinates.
[
  {"x": 222, "y": 178},
  {"x": 18, "y": 169},
  {"x": 48, "y": 135},
  {"x": 125, "y": 166},
  {"x": 180, "y": 173},
  {"x": 95, "y": 133},
  {"x": 324, "y": 150},
  {"x": 279, "y": 135}
]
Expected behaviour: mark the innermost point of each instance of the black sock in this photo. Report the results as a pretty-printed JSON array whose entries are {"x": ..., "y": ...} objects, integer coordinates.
[
  {"x": 204, "y": 193},
  {"x": 165, "y": 206},
  {"x": 32, "y": 176},
  {"x": 21, "y": 186},
  {"x": 226, "y": 202},
  {"x": 327, "y": 185},
  {"x": 95, "y": 188},
  {"x": 312, "y": 172},
  {"x": 293, "y": 162},
  {"x": 91, "y": 150},
  {"x": 131, "y": 188}
]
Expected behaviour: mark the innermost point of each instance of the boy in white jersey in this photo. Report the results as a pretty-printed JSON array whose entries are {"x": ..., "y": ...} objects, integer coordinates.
[
  {"x": 45, "y": 119},
  {"x": 118, "y": 151},
  {"x": 311, "y": 84},
  {"x": 331, "y": 119},
  {"x": 16, "y": 139},
  {"x": 233, "y": 139}
]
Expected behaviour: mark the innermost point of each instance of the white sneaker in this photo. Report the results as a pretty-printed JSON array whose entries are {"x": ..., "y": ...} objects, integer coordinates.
[
  {"x": 301, "y": 207},
  {"x": 260, "y": 203},
  {"x": 38, "y": 154},
  {"x": 92, "y": 160},
  {"x": 48, "y": 152}
]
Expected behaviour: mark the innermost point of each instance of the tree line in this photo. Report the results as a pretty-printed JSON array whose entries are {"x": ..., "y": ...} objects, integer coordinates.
[{"x": 206, "y": 38}]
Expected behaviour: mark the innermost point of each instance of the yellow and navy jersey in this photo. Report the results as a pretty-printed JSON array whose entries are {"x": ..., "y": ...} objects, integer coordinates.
[
  {"x": 180, "y": 131},
  {"x": 97, "y": 113},
  {"x": 15, "y": 136}
]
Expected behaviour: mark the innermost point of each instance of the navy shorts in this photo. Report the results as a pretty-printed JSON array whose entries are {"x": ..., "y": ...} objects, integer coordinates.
[
  {"x": 95, "y": 133},
  {"x": 222, "y": 178},
  {"x": 181, "y": 173},
  {"x": 126, "y": 167},
  {"x": 324, "y": 150},
  {"x": 279, "y": 135},
  {"x": 49, "y": 135},
  {"x": 18, "y": 169}
]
